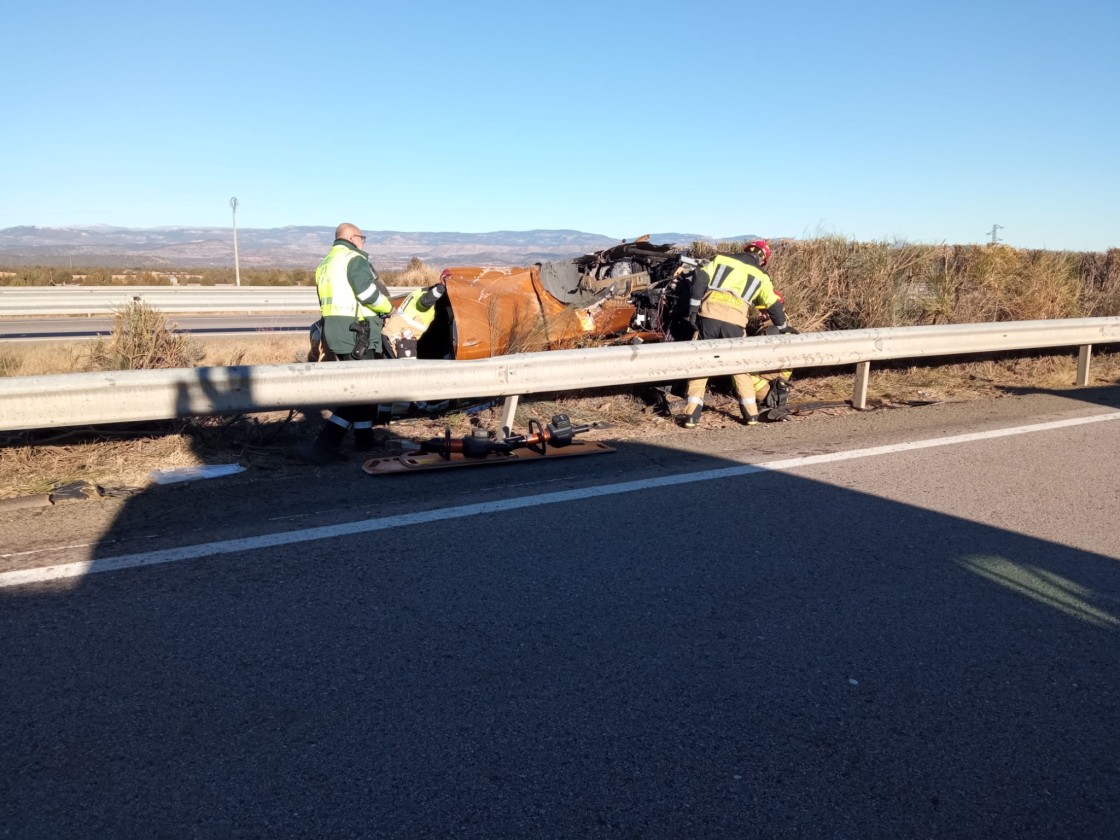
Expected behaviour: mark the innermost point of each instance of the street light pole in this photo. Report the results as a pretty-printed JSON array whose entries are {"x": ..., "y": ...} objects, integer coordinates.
[{"x": 236, "y": 262}]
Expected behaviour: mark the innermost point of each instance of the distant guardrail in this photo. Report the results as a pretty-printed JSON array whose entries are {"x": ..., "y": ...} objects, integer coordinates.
[
  {"x": 31, "y": 301},
  {"x": 75, "y": 399}
]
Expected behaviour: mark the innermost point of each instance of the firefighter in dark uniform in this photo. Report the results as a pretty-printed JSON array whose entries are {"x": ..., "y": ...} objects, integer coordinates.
[
  {"x": 723, "y": 293},
  {"x": 352, "y": 300}
]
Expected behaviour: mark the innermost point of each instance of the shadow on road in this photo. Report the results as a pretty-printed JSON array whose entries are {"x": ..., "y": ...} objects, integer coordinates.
[
  {"x": 757, "y": 655},
  {"x": 1107, "y": 397}
]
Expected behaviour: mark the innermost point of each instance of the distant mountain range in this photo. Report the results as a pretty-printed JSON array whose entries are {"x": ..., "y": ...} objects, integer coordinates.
[{"x": 291, "y": 247}]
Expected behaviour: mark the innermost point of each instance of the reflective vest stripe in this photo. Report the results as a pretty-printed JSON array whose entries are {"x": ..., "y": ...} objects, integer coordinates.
[
  {"x": 370, "y": 296},
  {"x": 409, "y": 310},
  {"x": 738, "y": 279},
  {"x": 412, "y": 322},
  {"x": 722, "y": 271}
]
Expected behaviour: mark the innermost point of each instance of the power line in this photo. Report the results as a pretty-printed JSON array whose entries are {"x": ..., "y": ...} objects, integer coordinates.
[{"x": 992, "y": 233}]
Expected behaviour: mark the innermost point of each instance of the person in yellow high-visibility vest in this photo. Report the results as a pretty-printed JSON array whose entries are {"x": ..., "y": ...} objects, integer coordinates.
[
  {"x": 404, "y": 328},
  {"x": 723, "y": 292},
  {"x": 410, "y": 320},
  {"x": 352, "y": 300}
]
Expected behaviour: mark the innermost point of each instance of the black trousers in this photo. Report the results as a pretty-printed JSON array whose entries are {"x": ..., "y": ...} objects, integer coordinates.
[{"x": 348, "y": 417}]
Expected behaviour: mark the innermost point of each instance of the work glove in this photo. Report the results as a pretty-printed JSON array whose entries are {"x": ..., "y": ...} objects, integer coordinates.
[{"x": 431, "y": 297}]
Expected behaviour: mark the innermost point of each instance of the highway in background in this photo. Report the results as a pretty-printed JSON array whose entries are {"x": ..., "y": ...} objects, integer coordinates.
[
  {"x": 64, "y": 313},
  {"x": 889, "y": 624},
  {"x": 78, "y": 328},
  {"x": 23, "y": 301},
  {"x": 19, "y": 301}
]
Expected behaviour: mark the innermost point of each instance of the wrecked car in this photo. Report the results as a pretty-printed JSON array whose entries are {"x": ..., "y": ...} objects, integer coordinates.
[{"x": 635, "y": 292}]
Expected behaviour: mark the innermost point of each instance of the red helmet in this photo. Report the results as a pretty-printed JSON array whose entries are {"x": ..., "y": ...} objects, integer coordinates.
[{"x": 760, "y": 249}]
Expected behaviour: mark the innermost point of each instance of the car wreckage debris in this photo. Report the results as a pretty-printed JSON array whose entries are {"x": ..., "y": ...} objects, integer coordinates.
[
  {"x": 632, "y": 292},
  {"x": 554, "y": 440}
]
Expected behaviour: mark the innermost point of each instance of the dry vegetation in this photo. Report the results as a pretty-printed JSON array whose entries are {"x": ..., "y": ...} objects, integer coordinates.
[
  {"x": 835, "y": 284},
  {"x": 142, "y": 339},
  {"x": 416, "y": 274},
  {"x": 828, "y": 283},
  {"x": 50, "y": 358}
]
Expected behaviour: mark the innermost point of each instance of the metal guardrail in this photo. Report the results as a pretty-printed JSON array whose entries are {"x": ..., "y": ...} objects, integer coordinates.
[
  {"x": 31, "y": 301},
  {"x": 76, "y": 399}
]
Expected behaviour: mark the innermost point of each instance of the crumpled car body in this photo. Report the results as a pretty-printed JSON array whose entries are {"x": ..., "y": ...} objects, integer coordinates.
[{"x": 632, "y": 292}]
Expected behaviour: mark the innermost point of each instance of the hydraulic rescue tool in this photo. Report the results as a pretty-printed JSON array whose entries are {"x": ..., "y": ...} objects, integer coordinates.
[{"x": 554, "y": 440}]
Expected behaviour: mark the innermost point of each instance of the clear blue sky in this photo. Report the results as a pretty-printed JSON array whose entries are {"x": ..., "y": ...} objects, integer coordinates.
[{"x": 926, "y": 122}]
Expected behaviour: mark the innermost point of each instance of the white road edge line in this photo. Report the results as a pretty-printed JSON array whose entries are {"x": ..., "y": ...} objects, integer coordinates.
[{"x": 43, "y": 574}]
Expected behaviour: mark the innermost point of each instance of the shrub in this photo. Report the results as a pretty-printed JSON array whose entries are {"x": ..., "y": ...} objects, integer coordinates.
[
  {"x": 417, "y": 274},
  {"x": 141, "y": 339}
]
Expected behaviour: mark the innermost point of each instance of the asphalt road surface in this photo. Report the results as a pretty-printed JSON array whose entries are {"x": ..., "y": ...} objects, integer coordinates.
[{"x": 883, "y": 625}]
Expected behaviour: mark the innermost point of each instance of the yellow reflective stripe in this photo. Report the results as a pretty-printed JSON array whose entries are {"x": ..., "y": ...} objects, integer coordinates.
[{"x": 409, "y": 310}]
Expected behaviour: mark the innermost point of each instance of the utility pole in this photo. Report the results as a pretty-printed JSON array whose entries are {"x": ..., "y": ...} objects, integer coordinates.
[
  {"x": 236, "y": 262},
  {"x": 992, "y": 233}
]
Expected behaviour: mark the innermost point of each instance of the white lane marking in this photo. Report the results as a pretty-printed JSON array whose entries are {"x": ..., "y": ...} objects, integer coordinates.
[{"x": 43, "y": 574}]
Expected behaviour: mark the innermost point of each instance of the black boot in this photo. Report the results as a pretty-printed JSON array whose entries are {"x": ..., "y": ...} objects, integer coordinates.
[
  {"x": 692, "y": 416},
  {"x": 363, "y": 438},
  {"x": 324, "y": 449},
  {"x": 749, "y": 419}
]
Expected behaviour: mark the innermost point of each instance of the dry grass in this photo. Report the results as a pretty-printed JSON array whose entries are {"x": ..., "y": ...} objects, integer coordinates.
[
  {"x": 124, "y": 456},
  {"x": 48, "y": 358},
  {"x": 966, "y": 381},
  {"x": 46, "y": 466},
  {"x": 41, "y": 359},
  {"x": 110, "y": 457},
  {"x": 831, "y": 283},
  {"x": 278, "y": 349},
  {"x": 416, "y": 274}
]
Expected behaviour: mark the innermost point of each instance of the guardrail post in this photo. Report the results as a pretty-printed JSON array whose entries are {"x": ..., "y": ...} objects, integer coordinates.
[
  {"x": 859, "y": 395},
  {"x": 1083, "y": 358},
  {"x": 509, "y": 408}
]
